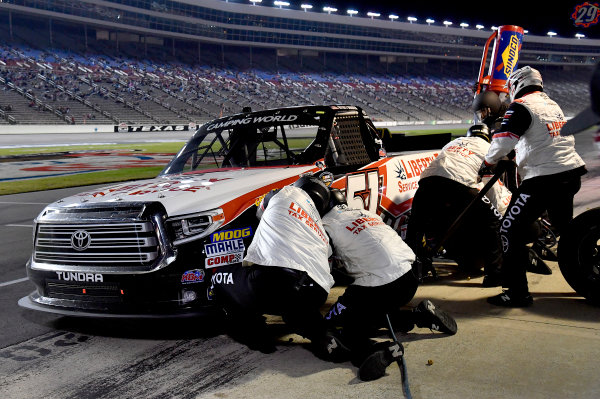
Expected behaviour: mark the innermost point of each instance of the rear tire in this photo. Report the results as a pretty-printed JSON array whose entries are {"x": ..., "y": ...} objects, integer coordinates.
[{"x": 579, "y": 255}]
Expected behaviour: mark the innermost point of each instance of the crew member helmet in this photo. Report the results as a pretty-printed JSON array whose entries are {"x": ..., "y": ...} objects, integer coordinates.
[
  {"x": 336, "y": 198},
  {"x": 480, "y": 130},
  {"x": 316, "y": 190},
  {"x": 523, "y": 78},
  {"x": 487, "y": 99},
  {"x": 265, "y": 203}
]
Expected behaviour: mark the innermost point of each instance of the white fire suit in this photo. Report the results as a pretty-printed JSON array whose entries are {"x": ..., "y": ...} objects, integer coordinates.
[
  {"x": 380, "y": 263},
  {"x": 372, "y": 252},
  {"x": 539, "y": 147},
  {"x": 291, "y": 235},
  {"x": 446, "y": 187},
  {"x": 285, "y": 272},
  {"x": 550, "y": 170},
  {"x": 459, "y": 160}
]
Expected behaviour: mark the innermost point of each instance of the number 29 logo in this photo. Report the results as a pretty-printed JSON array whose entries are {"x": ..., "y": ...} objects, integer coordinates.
[{"x": 586, "y": 14}]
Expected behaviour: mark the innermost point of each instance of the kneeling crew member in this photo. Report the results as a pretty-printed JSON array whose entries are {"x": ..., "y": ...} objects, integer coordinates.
[
  {"x": 286, "y": 270},
  {"x": 380, "y": 263}
]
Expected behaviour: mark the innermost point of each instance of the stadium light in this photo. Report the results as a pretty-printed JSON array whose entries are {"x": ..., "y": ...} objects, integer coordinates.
[
  {"x": 306, "y": 7},
  {"x": 393, "y": 17},
  {"x": 411, "y": 19},
  {"x": 494, "y": 28},
  {"x": 429, "y": 21},
  {"x": 464, "y": 25},
  {"x": 447, "y": 23},
  {"x": 551, "y": 33},
  {"x": 281, "y": 3},
  {"x": 579, "y": 35},
  {"x": 255, "y": 1},
  {"x": 479, "y": 27},
  {"x": 329, "y": 10},
  {"x": 352, "y": 12},
  {"x": 373, "y": 14}
]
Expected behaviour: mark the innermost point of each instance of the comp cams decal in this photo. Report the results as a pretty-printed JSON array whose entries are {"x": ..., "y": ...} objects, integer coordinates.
[{"x": 226, "y": 247}]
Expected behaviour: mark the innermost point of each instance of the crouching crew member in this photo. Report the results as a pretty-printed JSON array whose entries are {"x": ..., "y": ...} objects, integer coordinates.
[
  {"x": 285, "y": 272},
  {"x": 550, "y": 169},
  {"x": 380, "y": 263},
  {"x": 446, "y": 187}
]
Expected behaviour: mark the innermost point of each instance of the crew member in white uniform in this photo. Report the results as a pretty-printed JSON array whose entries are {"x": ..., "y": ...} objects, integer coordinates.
[
  {"x": 380, "y": 263},
  {"x": 446, "y": 187},
  {"x": 285, "y": 271},
  {"x": 550, "y": 170}
]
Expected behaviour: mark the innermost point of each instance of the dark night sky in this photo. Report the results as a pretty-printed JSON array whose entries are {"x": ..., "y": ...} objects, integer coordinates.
[{"x": 535, "y": 16}]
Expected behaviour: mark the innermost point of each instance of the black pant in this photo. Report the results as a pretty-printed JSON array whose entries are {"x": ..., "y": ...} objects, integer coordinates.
[
  {"x": 436, "y": 205},
  {"x": 247, "y": 293},
  {"x": 553, "y": 193},
  {"x": 361, "y": 310}
]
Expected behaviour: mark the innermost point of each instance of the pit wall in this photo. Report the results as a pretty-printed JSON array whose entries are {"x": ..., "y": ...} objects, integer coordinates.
[{"x": 62, "y": 129}]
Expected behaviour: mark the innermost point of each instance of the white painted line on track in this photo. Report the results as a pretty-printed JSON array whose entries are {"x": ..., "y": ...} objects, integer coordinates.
[
  {"x": 19, "y": 225},
  {"x": 23, "y": 203},
  {"x": 20, "y": 280}
]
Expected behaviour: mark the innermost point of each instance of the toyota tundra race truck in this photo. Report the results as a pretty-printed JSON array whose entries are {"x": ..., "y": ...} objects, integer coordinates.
[{"x": 150, "y": 248}]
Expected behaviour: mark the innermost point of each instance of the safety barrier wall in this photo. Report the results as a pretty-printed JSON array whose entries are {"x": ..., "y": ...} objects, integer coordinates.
[{"x": 62, "y": 129}]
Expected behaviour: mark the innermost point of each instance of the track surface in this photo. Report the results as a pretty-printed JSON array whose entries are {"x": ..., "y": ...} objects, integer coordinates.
[{"x": 551, "y": 350}]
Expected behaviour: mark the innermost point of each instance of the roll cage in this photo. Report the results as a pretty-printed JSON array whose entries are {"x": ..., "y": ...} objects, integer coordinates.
[{"x": 339, "y": 135}]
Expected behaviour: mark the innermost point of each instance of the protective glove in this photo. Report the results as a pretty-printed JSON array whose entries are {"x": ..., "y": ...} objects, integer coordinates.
[
  {"x": 491, "y": 169},
  {"x": 486, "y": 169}
]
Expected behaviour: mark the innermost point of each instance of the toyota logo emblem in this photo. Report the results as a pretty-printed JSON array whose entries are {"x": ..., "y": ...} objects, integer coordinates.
[{"x": 80, "y": 240}]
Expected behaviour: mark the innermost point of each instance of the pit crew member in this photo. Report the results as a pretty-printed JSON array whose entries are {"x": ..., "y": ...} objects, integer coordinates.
[
  {"x": 380, "y": 263},
  {"x": 550, "y": 170},
  {"x": 285, "y": 272},
  {"x": 446, "y": 187}
]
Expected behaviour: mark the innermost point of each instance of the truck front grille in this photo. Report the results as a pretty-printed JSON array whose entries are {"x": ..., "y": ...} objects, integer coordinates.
[
  {"x": 105, "y": 292},
  {"x": 105, "y": 245}
]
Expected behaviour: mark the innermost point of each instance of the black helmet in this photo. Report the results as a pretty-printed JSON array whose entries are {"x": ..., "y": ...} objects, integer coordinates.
[
  {"x": 479, "y": 130},
  {"x": 336, "y": 198},
  {"x": 487, "y": 99},
  {"x": 316, "y": 190},
  {"x": 265, "y": 203}
]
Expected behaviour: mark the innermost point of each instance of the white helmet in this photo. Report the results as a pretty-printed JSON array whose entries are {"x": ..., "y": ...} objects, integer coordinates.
[{"x": 523, "y": 77}]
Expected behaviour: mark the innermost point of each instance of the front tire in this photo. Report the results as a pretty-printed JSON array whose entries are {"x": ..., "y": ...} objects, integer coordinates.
[{"x": 579, "y": 255}]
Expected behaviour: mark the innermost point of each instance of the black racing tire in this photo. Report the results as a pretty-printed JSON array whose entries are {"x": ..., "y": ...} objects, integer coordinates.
[{"x": 579, "y": 255}]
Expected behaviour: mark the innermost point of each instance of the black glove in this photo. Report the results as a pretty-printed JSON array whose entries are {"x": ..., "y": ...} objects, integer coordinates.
[
  {"x": 492, "y": 169},
  {"x": 487, "y": 169}
]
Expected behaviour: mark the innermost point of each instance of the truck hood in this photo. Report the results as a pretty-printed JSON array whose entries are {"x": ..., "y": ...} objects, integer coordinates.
[{"x": 232, "y": 189}]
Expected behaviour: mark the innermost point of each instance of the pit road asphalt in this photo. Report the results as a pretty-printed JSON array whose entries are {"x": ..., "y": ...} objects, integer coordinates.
[{"x": 550, "y": 350}]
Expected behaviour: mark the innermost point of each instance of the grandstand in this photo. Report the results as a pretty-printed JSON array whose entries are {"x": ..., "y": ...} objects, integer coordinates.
[{"x": 175, "y": 62}]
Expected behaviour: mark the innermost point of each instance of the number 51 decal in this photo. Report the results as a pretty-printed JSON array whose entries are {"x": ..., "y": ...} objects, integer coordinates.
[{"x": 362, "y": 189}]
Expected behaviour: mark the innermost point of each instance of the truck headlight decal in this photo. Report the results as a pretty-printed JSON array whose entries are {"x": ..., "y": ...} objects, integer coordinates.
[{"x": 195, "y": 226}]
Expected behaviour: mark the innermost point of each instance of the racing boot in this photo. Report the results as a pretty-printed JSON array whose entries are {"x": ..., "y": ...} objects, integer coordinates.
[
  {"x": 536, "y": 264},
  {"x": 382, "y": 355},
  {"x": 492, "y": 280},
  {"x": 512, "y": 299},
  {"x": 330, "y": 348},
  {"x": 250, "y": 330},
  {"x": 430, "y": 316}
]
